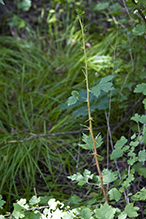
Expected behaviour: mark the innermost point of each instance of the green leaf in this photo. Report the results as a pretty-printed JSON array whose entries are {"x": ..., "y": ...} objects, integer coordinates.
[
  {"x": 133, "y": 136},
  {"x": 22, "y": 203},
  {"x": 51, "y": 20},
  {"x": 24, "y": 5},
  {"x": 116, "y": 6},
  {"x": 144, "y": 137},
  {"x": 109, "y": 176},
  {"x": 141, "y": 88},
  {"x": 118, "y": 151},
  {"x": 81, "y": 179},
  {"x": 17, "y": 22},
  {"x": 53, "y": 203},
  {"x": 34, "y": 200},
  {"x": 101, "y": 6},
  {"x": 19, "y": 207},
  {"x": 115, "y": 9},
  {"x": 136, "y": 117},
  {"x": 138, "y": 30},
  {"x": 131, "y": 154},
  {"x": 2, "y": 2},
  {"x": 142, "y": 172},
  {"x": 32, "y": 215},
  {"x": 144, "y": 102},
  {"x": 1, "y": 202},
  {"x": 143, "y": 73},
  {"x": 140, "y": 196},
  {"x": 134, "y": 143},
  {"x": 105, "y": 212},
  {"x": 86, "y": 213},
  {"x": 131, "y": 211},
  {"x": 142, "y": 1},
  {"x": 121, "y": 142},
  {"x": 44, "y": 200},
  {"x": 80, "y": 12},
  {"x": 114, "y": 194},
  {"x": 143, "y": 119},
  {"x": 74, "y": 98},
  {"x": 104, "y": 85},
  {"x": 132, "y": 160},
  {"x": 87, "y": 175},
  {"x": 127, "y": 182},
  {"x": 75, "y": 199},
  {"x": 88, "y": 142},
  {"x": 18, "y": 212},
  {"x": 98, "y": 141},
  {"x": 142, "y": 155},
  {"x": 123, "y": 215}
]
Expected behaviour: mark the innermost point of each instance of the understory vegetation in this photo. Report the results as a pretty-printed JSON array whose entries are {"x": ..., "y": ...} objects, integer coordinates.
[{"x": 73, "y": 109}]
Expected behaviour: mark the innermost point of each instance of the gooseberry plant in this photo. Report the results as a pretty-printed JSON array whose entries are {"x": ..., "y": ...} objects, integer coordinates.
[
  {"x": 121, "y": 179},
  {"x": 115, "y": 185}
]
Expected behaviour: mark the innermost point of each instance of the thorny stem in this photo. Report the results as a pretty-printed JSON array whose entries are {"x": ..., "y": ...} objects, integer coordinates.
[{"x": 89, "y": 115}]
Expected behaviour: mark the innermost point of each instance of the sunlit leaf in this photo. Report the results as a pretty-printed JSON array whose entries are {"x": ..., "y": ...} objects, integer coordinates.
[
  {"x": 87, "y": 175},
  {"x": 136, "y": 117},
  {"x": 142, "y": 155},
  {"x": 132, "y": 160},
  {"x": 105, "y": 212},
  {"x": 140, "y": 196},
  {"x": 144, "y": 102},
  {"x": 131, "y": 210},
  {"x": 2, "y": 2},
  {"x": 129, "y": 179},
  {"x": 2, "y": 202},
  {"x": 86, "y": 213},
  {"x": 109, "y": 176},
  {"x": 143, "y": 119},
  {"x": 34, "y": 200},
  {"x": 89, "y": 143},
  {"x": 141, "y": 88},
  {"x": 18, "y": 211},
  {"x": 114, "y": 194},
  {"x": 81, "y": 179},
  {"x": 123, "y": 215},
  {"x": 104, "y": 85},
  {"x": 74, "y": 98},
  {"x": 118, "y": 151},
  {"x": 80, "y": 12}
]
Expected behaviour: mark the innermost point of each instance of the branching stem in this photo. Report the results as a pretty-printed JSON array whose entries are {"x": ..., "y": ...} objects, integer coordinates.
[{"x": 89, "y": 114}]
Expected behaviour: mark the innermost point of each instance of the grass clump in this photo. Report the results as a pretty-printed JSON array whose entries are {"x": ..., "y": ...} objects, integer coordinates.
[
  {"x": 32, "y": 87},
  {"x": 40, "y": 131}
]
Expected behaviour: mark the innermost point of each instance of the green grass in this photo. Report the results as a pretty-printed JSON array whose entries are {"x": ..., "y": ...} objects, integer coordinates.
[
  {"x": 37, "y": 77},
  {"x": 33, "y": 83}
]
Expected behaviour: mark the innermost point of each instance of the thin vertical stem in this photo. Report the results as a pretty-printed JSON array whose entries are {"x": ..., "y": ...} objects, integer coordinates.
[{"x": 89, "y": 115}]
